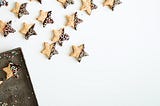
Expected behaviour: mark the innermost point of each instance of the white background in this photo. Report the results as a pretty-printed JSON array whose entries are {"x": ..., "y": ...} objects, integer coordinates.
[{"x": 123, "y": 68}]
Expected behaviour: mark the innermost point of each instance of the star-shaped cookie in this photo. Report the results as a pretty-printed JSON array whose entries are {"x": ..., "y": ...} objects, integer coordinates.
[
  {"x": 28, "y": 30},
  {"x": 65, "y": 3},
  {"x": 3, "y": 3},
  {"x": 5, "y": 28},
  {"x": 78, "y": 52},
  {"x": 73, "y": 20},
  {"x": 45, "y": 17},
  {"x": 20, "y": 9},
  {"x": 111, "y": 3},
  {"x": 40, "y": 1},
  {"x": 88, "y": 6},
  {"x": 49, "y": 50},
  {"x": 59, "y": 36}
]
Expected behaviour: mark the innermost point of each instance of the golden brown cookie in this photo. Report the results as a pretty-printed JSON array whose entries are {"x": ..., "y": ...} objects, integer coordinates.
[
  {"x": 8, "y": 71},
  {"x": 65, "y": 3},
  {"x": 88, "y": 6},
  {"x": 111, "y": 3},
  {"x": 73, "y": 20},
  {"x": 78, "y": 52},
  {"x": 49, "y": 50}
]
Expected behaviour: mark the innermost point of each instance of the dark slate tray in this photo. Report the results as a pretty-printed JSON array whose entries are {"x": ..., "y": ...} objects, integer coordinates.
[{"x": 16, "y": 91}]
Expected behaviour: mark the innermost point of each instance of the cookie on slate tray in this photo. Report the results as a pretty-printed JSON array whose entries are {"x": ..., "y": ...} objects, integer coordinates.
[
  {"x": 65, "y": 3},
  {"x": 78, "y": 52},
  {"x": 73, "y": 20},
  {"x": 111, "y": 3},
  {"x": 28, "y": 30},
  {"x": 6, "y": 28},
  {"x": 20, "y": 9},
  {"x": 88, "y": 6},
  {"x": 60, "y": 36},
  {"x": 49, "y": 50},
  {"x": 3, "y": 3},
  {"x": 45, "y": 17},
  {"x": 40, "y": 1}
]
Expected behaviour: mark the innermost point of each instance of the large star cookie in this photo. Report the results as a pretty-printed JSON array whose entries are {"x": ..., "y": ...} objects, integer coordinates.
[
  {"x": 5, "y": 28},
  {"x": 78, "y": 52},
  {"x": 60, "y": 36},
  {"x": 49, "y": 50},
  {"x": 73, "y": 20},
  {"x": 111, "y": 3},
  {"x": 28, "y": 30},
  {"x": 3, "y": 3},
  {"x": 65, "y": 3},
  {"x": 45, "y": 18},
  {"x": 20, "y": 9},
  {"x": 88, "y": 6}
]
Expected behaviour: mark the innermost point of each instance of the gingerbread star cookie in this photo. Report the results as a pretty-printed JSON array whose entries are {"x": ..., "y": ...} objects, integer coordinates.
[
  {"x": 111, "y": 3},
  {"x": 49, "y": 50},
  {"x": 28, "y": 30},
  {"x": 20, "y": 9},
  {"x": 40, "y": 1},
  {"x": 88, "y": 6},
  {"x": 78, "y": 52},
  {"x": 3, "y": 3},
  {"x": 73, "y": 20},
  {"x": 65, "y": 3},
  {"x": 5, "y": 28},
  {"x": 60, "y": 36},
  {"x": 45, "y": 18}
]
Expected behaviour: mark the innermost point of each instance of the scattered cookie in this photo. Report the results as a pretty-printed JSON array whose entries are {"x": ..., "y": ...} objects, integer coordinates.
[
  {"x": 60, "y": 36},
  {"x": 3, "y": 3},
  {"x": 40, "y": 1},
  {"x": 20, "y": 9},
  {"x": 73, "y": 20},
  {"x": 65, "y": 3},
  {"x": 45, "y": 18},
  {"x": 111, "y": 3},
  {"x": 5, "y": 28},
  {"x": 49, "y": 50},
  {"x": 88, "y": 6},
  {"x": 28, "y": 30},
  {"x": 78, "y": 52}
]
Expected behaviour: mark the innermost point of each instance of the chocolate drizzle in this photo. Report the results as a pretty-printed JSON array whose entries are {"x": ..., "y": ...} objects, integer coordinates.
[
  {"x": 48, "y": 19},
  {"x": 68, "y": 2},
  {"x": 82, "y": 54},
  {"x": 15, "y": 69},
  {"x": 116, "y": 2},
  {"x": 53, "y": 51},
  {"x": 63, "y": 37},
  {"x": 8, "y": 29},
  {"x": 93, "y": 6},
  {"x": 30, "y": 32},
  {"x": 3, "y": 3},
  {"x": 76, "y": 21},
  {"x": 22, "y": 10}
]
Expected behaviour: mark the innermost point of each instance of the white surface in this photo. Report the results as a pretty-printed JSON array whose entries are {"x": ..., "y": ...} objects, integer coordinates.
[{"x": 123, "y": 68}]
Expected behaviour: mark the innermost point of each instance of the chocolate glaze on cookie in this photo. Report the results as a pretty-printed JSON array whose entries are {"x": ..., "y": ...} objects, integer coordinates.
[
  {"x": 8, "y": 29},
  {"x": 48, "y": 19},
  {"x": 22, "y": 10},
  {"x": 30, "y": 32},
  {"x": 3, "y": 3},
  {"x": 76, "y": 21}
]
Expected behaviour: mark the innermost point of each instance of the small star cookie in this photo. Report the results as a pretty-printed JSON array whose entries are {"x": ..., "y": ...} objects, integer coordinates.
[
  {"x": 65, "y": 3},
  {"x": 6, "y": 28},
  {"x": 20, "y": 9},
  {"x": 28, "y": 30},
  {"x": 111, "y": 3},
  {"x": 49, "y": 50},
  {"x": 88, "y": 6},
  {"x": 78, "y": 52},
  {"x": 3, "y": 3},
  {"x": 45, "y": 18},
  {"x": 40, "y": 1},
  {"x": 60, "y": 36},
  {"x": 73, "y": 20}
]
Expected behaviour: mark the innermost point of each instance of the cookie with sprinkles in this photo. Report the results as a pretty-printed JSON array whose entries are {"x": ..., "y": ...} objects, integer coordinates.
[
  {"x": 73, "y": 20},
  {"x": 20, "y": 9},
  {"x": 65, "y": 3},
  {"x": 45, "y": 17},
  {"x": 6, "y": 28},
  {"x": 40, "y": 1},
  {"x": 111, "y": 3},
  {"x": 3, "y": 3},
  {"x": 28, "y": 30}
]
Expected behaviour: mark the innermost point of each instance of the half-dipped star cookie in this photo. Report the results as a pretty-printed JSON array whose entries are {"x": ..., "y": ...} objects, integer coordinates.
[
  {"x": 88, "y": 6},
  {"x": 20, "y": 9},
  {"x": 40, "y": 1},
  {"x": 49, "y": 50},
  {"x": 111, "y": 3},
  {"x": 65, "y": 3},
  {"x": 73, "y": 20},
  {"x": 28, "y": 30},
  {"x": 3, "y": 3},
  {"x": 60, "y": 36},
  {"x": 78, "y": 52},
  {"x": 6, "y": 28},
  {"x": 45, "y": 17}
]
